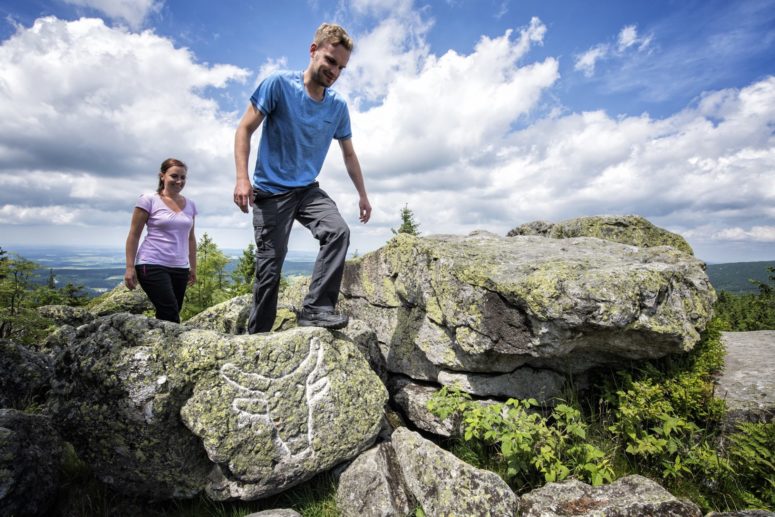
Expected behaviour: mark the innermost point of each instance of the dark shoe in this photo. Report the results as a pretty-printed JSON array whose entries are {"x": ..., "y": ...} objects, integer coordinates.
[{"x": 325, "y": 319}]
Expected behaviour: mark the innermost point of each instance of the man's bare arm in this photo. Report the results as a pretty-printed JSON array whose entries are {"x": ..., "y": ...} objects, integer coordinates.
[
  {"x": 354, "y": 170},
  {"x": 243, "y": 191}
]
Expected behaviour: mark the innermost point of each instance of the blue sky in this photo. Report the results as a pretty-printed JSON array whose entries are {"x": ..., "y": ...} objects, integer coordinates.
[{"x": 476, "y": 114}]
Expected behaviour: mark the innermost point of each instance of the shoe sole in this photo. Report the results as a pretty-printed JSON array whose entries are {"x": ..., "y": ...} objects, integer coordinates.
[{"x": 332, "y": 326}]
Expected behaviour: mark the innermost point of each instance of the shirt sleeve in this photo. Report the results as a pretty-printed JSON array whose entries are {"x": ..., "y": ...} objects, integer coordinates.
[
  {"x": 265, "y": 96},
  {"x": 145, "y": 202},
  {"x": 343, "y": 130},
  {"x": 193, "y": 208}
]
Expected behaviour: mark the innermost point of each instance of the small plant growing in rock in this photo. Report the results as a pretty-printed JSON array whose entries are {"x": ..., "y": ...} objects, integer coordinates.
[{"x": 535, "y": 449}]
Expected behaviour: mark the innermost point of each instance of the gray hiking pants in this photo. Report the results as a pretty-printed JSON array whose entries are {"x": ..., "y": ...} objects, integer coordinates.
[{"x": 273, "y": 216}]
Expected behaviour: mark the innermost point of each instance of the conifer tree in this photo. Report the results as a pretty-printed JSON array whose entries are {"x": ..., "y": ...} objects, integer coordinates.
[
  {"x": 211, "y": 283},
  {"x": 408, "y": 224}
]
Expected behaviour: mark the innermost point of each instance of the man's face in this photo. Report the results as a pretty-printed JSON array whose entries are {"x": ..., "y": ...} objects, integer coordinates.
[{"x": 326, "y": 62}]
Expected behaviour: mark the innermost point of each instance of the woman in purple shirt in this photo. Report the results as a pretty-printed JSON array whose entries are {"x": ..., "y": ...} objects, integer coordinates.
[{"x": 166, "y": 260}]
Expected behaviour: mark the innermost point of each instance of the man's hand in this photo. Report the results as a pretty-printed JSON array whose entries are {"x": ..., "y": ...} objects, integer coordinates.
[
  {"x": 243, "y": 194},
  {"x": 364, "y": 210}
]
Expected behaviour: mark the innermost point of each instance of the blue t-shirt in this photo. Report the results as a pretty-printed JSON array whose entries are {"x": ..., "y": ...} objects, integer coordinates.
[{"x": 297, "y": 131}]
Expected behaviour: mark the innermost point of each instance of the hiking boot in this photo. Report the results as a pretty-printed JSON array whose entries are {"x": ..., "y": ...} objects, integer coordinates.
[{"x": 325, "y": 319}]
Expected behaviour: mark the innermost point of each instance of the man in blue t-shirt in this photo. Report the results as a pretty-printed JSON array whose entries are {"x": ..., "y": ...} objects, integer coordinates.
[{"x": 301, "y": 116}]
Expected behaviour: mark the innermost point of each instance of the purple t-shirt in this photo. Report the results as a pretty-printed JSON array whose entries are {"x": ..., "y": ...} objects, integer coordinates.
[{"x": 166, "y": 240}]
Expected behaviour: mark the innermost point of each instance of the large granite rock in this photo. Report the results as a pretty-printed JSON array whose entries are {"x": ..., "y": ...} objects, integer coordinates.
[
  {"x": 747, "y": 383},
  {"x": 631, "y": 496},
  {"x": 121, "y": 299},
  {"x": 445, "y": 485},
  {"x": 492, "y": 305},
  {"x": 625, "y": 229},
  {"x": 30, "y": 458},
  {"x": 165, "y": 411},
  {"x": 373, "y": 486},
  {"x": 66, "y": 315},
  {"x": 409, "y": 471},
  {"x": 229, "y": 317},
  {"x": 25, "y": 375}
]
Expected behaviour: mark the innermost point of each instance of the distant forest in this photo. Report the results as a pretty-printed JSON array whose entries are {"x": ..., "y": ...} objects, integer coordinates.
[{"x": 735, "y": 277}]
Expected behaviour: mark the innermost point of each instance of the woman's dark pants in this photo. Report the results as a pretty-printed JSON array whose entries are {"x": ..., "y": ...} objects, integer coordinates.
[
  {"x": 273, "y": 217},
  {"x": 165, "y": 287}
]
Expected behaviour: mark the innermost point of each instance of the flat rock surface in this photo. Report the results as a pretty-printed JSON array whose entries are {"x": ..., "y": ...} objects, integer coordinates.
[{"x": 748, "y": 380}]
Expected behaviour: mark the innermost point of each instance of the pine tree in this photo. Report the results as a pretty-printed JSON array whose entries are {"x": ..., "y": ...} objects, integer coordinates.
[
  {"x": 211, "y": 284},
  {"x": 244, "y": 273},
  {"x": 408, "y": 224}
]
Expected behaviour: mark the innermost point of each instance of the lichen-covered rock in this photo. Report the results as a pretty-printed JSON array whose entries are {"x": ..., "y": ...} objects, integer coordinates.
[
  {"x": 412, "y": 398},
  {"x": 25, "y": 375},
  {"x": 631, "y": 496},
  {"x": 66, "y": 315},
  {"x": 373, "y": 486},
  {"x": 283, "y": 407},
  {"x": 121, "y": 299},
  {"x": 261, "y": 412},
  {"x": 490, "y": 304},
  {"x": 30, "y": 458},
  {"x": 118, "y": 387},
  {"x": 626, "y": 229},
  {"x": 229, "y": 317},
  {"x": 543, "y": 385},
  {"x": 747, "y": 383},
  {"x": 445, "y": 485}
]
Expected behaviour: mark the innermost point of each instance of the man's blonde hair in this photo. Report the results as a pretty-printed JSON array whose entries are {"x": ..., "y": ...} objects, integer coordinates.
[{"x": 334, "y": 34}]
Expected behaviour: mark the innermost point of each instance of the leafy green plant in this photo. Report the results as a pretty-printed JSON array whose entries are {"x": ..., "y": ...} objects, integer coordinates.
[{"x": 535, "y": 449}]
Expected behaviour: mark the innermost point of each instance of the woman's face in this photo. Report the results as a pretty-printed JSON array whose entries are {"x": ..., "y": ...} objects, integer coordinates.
[{"x": 174, "y": 179}]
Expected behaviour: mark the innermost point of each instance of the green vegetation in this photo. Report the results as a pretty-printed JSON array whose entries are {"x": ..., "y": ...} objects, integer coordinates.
[
  {"x": 660, "y": 421},
  {"x": 408, "y": 224},
  {"x": 21, "y": 293},
  {"x": 749, "y": 311}
]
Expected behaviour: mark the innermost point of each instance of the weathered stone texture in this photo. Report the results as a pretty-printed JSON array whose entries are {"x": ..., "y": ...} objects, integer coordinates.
[
  {"x": 121, "y": 299},
  {"x": 267, "y": 411},
  {"x": 747, "y": 383},
  {"x": 625, "y": 229},
  {"x": 282, "y": 408},
  {"x": 489, "y": 304},
  {"x": 631, "y": 496},
  {"x": 30, "y": 458},
  {"x": 444, "y": 485},
  {"x": 25, "y": 375},
  {"x": 373, "y": 486}
]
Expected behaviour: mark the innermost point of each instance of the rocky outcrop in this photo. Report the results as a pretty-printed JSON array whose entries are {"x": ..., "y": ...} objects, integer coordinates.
[
  {"x": 164, "y": 411},
  {"x": 66, "y": 315},
  {"x": 526, "y": 307},
  {"x": 631, "y": 496},
  {"x": 121, "y": 299},
  {"x": 625, "y": 229},
  {"x": 412, "y": 398},
  {"x": 408, "y": 469},
  {"x": 229, "y": 317},
  {"x": 373, "y": 486},
  {"x": 24, "y": 375},
  {"x": 747, "y": 383},
  {"x": 30, "y": 457}
]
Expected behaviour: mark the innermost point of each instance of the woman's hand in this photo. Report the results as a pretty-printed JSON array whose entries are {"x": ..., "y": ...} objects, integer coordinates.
[
  {"x": 191, "y": 277},
  {"x": 130, "y": 278}
]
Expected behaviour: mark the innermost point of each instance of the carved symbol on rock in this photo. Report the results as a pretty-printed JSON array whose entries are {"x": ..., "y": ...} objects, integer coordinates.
[{"x": 283, "y": 404}]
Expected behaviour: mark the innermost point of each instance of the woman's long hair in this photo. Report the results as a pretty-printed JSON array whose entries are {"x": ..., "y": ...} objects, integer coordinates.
[{"x": 165, "y": 166}]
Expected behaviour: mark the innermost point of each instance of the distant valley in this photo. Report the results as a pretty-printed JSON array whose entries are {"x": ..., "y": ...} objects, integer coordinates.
[{"x": 100, "y": 270}]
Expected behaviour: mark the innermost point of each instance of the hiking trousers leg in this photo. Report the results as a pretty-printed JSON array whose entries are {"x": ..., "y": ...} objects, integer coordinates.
[
  {"x": 273, "y": 217},
  {"x": 165, "y": 287},
  {"x": 319, "y": 214}
]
